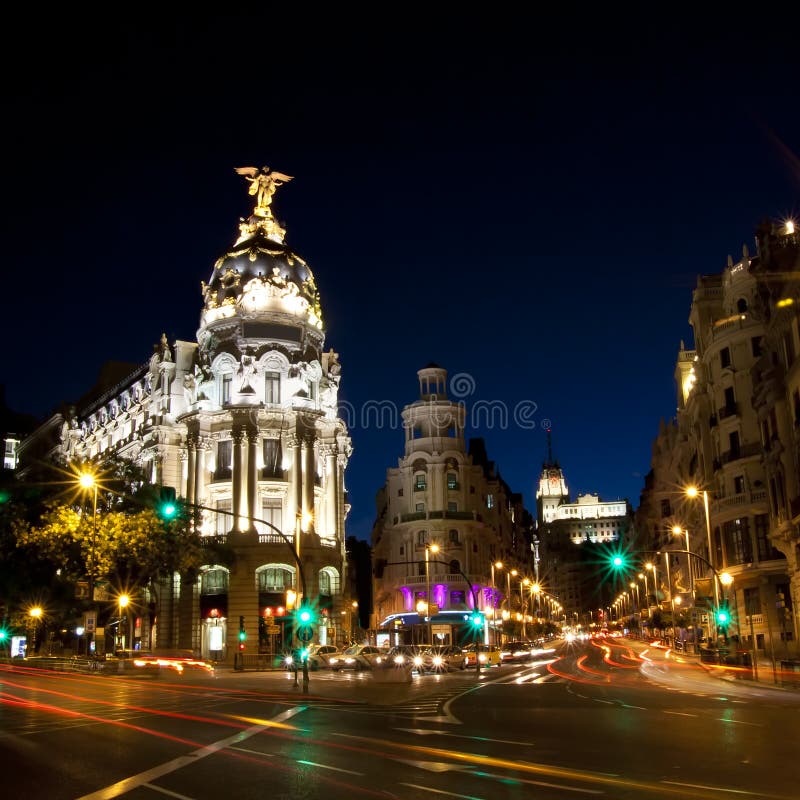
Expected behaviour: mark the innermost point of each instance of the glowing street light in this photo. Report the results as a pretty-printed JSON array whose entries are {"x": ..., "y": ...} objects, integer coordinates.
[{"x": 693, "y": 492}]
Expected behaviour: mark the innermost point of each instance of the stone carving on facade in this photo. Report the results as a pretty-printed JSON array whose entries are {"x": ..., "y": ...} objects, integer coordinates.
[{"x": 163, "y": 349}]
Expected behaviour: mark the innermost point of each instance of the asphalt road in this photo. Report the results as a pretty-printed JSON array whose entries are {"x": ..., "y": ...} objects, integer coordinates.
[{"x": 610, "y": 719}]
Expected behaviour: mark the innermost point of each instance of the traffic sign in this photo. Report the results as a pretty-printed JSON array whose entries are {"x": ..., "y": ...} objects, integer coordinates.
[
  {"x": 271, "y": 630},
  {"x": 305, "y": 634}
]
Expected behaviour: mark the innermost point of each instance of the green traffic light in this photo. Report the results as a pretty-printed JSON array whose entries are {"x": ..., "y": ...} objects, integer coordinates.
[
  {"x": 305, "y": 615},
  {"x": 618, "y": 561},
  {"x": 242, "y": 636},
  {"x": 2, "y": 635},
  {"x": 722, "y": 617},
  {"x": 168, "y": 510}
]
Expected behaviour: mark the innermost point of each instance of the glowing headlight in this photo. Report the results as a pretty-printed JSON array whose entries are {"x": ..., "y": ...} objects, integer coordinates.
[
  {"x": 399, "y": 659},
  {"x": 417, "y": 661},
  {"x": 482, "y": 657},
  {"x": 288, "y": 660},
  {"x": 438, "y": 661},
  {"x": 349, "y": 661}
]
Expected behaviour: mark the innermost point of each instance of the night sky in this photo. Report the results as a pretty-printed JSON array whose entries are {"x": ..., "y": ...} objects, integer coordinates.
[{"x": 526, "y": 202}]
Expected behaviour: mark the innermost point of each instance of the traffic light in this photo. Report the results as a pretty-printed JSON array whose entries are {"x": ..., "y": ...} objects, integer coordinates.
[
  {"x": 167, "y": 508},
  {"x": 3, "y": 636},
  {"x": 242, "y": 634},
  {"x": 723, "y": 618},
  {"x": 304, "y": 619},
  {"x": 476, "y": 620}
]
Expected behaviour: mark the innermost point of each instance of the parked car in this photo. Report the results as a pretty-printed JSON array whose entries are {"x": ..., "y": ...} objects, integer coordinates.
[
  {"x": 517, "y": 651},
  {"x": 487, "y": 654},
  {"x": 319, "y": 655},
  {"x": 358, "y": 656},
  {"x": 444, "y": 658}
]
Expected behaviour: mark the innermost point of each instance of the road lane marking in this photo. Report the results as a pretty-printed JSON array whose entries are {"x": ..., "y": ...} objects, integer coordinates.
[
  {"x": 429, "y": 731},
  {"x": 166, "y": 791},
  {"x": 126, "y": 785},
  {"x": 325, "y": 766},
  {"x": 441, "y": 791},
  {"x": 741, "y": 722},
  {"x": 716, "y": 788},
  {"x": 681, "y": 714}
]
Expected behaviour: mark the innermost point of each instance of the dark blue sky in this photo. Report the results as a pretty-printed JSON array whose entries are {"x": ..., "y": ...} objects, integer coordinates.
[{"x": 528, "y": 202}]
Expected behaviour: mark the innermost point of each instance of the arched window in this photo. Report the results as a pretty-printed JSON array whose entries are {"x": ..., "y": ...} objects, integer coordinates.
[
  {"x": 452, "y": 536},
  {"x": 422, "y": 537},
  {"x": 275, "y": 578},
  {"x": 741, "y": 305},
  {"x": 329, "y": 582},
  {"x": 455, "y": 566},
  {"x": 214, "y": 581}
]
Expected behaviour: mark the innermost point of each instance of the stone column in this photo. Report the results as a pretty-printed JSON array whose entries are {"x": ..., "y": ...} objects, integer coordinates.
[
  {"x": 252, "y": 469},
  {"x": 331, "y": 483},
  {"x": 238, "y": 508},
  {"x": 191, "y": 444},
  {"x": 203, "y": 446},
  {"x": 308, "y": 482},
  {"x": 291, "y": 445}
]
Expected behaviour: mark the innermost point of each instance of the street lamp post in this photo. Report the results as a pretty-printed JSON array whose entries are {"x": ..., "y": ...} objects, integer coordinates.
[
  {"x": 124, "y": 602},
  {"x": 429, "y": 548},
  {"x": 693, "y": 491},
  {"x": 495, "y": 565},
  {"x": 88, "y": 481},
  {"x": 35, "y": 614},
  {"x": 523, "y": 582}
]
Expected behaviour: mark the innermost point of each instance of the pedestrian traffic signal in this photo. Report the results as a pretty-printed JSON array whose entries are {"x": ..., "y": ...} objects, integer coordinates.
[
  {"x": 304, "y": 619},
  {"x": 242, "y": 634}
]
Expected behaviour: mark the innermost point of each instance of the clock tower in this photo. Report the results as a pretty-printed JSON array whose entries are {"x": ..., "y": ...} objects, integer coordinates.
[{"x": 552, "y": 490}]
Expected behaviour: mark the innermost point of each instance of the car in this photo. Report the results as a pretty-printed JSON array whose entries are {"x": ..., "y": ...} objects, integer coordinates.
[
  {"x": 516, "y": 651},
  {"x": 319, "y": 655},
  {"x": 487, "y": 654},
  {"x": 174, "y": 660},
  {"x": 444, "y": 658},
  {"x": 358, "y": 657},
  {"x": 412, "y": 655}
]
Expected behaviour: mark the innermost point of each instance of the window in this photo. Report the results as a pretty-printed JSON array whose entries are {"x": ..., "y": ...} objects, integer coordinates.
[
  {"x": 755, "y": 346},
  {"x": 324, "y": 584},
  {"x": 764, "y": 548},
  {"x": 452, "y": 506},
  {"x": 226, "y": 389},
  {"x": 272, "y": 387},
  {"x": 421, "y": 568},
  {"x": 274, "y": 579},
  {"x": 399, "y": 492},
  {"x": 741, "y": 305},
  {"x": 666, "y": 508},
  {"x": 474, "y": 547},
  {"x": 730, "y": 401},
  {"x": 272, "y": 460},
  {"x": 453, "y": 537},
  {"x": 788, "y": 349},
  {"x": 311, "y": 390},
  {"x": 752, "y": 601},
  {"x": 272, "y": 512},
  {"x": 733, "y": 439},
  {"x": 224, "y": 520},
  {"x": 738, "y": 484},
  {"x": 737, "y": 541},
  {"x": 420, "y": 482},
  {"x": 224, "y": 457},
  {"x": 452, "y": 480},
  {"x": 402, "y": 550},
  {"x": 725, "y": 357},
  {"x": 422, "y": 537},
  {"x": 215, "y": 581},
  {"x": 489, "y": 501},
  {"x": 455, "y": 566},
  {"x": 420, "y": 507}
]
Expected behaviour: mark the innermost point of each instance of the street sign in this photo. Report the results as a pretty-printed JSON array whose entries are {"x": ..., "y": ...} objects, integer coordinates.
[
  {"x": 305, "y": 634},
  {"x": 89, "y": 622},
  {"x": 272, "y": 629}
]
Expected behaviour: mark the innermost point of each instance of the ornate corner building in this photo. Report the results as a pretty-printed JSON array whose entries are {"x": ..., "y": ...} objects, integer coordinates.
[
  {"x": 444, "y": 516},
  {"x": 243, "y": 423},
  {"x": 736, "y": 437}
]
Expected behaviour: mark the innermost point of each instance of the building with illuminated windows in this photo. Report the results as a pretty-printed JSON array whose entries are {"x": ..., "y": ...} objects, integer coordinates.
[
  {"x": 444, "y": 517},
  {"x": 576, "y": 538},
  {"x": 243, "y": 422},
  {"x": 735, "y": 439}
]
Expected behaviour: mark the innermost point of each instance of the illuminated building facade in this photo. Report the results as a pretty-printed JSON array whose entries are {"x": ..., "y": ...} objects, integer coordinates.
[
  {"x": 243, "y": 422},
  {"x": 735, "y": 438},
  {"x": 448, "y": 500},
  {"x": 573, "y": 537}
]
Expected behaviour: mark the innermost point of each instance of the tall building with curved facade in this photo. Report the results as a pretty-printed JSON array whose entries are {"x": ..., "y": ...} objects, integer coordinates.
[
  {"x": 242, "y": 422},
  {"x": 444, "y": 516}
]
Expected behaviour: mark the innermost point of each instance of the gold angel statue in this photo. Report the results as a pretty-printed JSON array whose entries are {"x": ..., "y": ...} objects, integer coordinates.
[{"x": 263, "y": 183}]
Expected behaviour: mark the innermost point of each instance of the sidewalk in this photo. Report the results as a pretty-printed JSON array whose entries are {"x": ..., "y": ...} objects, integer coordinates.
[{"x": 767, "y": 677}]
